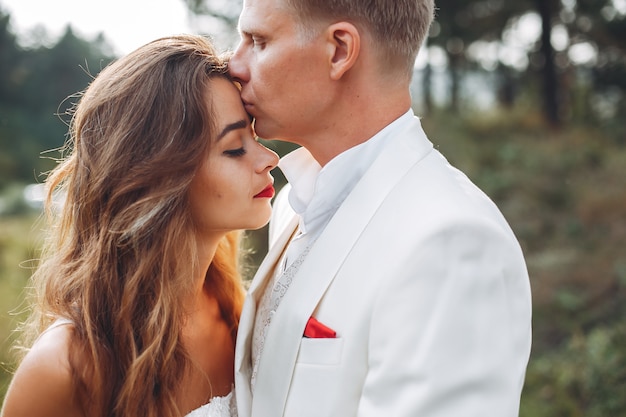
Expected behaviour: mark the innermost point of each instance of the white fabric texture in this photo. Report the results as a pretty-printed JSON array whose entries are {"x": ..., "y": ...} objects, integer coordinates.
[{"x": 218, "y": 407}]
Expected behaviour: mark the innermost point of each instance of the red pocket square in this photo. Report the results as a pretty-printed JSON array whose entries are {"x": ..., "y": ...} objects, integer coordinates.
[{"x": 317, "y": 330}]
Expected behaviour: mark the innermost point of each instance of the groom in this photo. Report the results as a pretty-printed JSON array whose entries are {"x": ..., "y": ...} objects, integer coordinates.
[{"x": 393, "y": 285}]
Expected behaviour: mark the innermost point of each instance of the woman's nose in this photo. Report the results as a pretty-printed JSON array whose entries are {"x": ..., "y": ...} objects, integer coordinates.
[{"x": 268, "y": 160}]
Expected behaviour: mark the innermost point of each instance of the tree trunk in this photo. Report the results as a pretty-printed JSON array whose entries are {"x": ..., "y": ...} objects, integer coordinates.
[
  {"x": 455, "y": 60},
  {"x": 427, "y": 102},
  {"x": 507, "y": 87},
  {"x": 549, "y": 74}
]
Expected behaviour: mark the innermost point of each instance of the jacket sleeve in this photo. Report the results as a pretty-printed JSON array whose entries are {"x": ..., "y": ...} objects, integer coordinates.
[{"x": 451, "y": 328}]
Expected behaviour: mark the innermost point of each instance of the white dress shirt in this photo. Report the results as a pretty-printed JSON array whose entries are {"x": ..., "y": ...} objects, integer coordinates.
[{"x": 317, "y": 192}]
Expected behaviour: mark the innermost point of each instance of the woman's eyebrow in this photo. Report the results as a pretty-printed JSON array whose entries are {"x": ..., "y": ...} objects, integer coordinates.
[{"x": 240, "y": 124}]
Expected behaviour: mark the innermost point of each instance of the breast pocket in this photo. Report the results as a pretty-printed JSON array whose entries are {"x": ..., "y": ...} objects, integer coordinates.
[
  {"x": 320, "y": 351},
  {"x": 316, "y": 375}
]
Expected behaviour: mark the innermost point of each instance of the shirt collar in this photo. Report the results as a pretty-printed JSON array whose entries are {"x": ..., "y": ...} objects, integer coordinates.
[{"x": 317, "y": 192}]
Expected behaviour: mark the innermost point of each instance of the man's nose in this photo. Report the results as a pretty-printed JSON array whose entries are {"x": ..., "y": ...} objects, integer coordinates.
[{"x": 237, "y": 66}]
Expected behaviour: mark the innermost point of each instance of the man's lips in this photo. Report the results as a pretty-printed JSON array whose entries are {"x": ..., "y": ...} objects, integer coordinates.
[
  {"x": 248, "y": 107},
  {"x": 268, "y": 192}
]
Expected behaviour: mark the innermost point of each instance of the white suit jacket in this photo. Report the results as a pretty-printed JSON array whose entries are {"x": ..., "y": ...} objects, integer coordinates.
[{"x": 426, "y": 286}]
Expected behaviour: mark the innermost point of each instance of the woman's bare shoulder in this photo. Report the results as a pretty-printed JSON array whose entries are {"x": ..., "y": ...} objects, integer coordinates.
[{"x": 43, "y": 383}]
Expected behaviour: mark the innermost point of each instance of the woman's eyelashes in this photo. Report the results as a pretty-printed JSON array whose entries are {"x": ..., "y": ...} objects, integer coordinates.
[{"x": 235, "y": 152}]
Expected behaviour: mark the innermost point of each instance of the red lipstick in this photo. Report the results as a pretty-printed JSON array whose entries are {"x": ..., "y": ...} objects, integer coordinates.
[{"x": 268, "y": 192}]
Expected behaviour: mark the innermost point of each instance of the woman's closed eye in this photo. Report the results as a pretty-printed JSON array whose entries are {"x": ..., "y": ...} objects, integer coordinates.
[{"x": 235, "y": 152}]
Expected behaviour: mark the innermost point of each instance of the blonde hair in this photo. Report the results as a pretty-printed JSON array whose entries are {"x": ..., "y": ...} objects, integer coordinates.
[
  {"x": 398, "y": 27},
  {"x": 120, "y": 259}
]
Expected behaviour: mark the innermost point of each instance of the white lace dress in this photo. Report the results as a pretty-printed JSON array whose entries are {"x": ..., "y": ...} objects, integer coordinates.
[{"x": 217, "y": 407}]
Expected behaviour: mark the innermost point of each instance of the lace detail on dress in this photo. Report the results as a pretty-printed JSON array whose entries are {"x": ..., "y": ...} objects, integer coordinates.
[{"x": 217, "y": 407}]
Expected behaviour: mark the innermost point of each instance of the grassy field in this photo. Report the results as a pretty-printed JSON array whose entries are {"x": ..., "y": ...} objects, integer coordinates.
[
  {"x": 564, "y": 194},
  {"x": 19, "y": 240}
]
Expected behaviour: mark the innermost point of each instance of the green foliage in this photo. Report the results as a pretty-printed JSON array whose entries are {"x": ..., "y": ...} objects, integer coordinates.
[
  {"x": 585, "y": 377},
  {"x": 35, "y": 86}
]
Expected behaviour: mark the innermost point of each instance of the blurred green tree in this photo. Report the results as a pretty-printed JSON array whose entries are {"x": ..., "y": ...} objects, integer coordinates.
[{"x": 35, "y": 89}]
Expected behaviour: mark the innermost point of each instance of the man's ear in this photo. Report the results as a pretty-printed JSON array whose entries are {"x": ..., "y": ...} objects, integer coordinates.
[{"x": 344, "y": 42}]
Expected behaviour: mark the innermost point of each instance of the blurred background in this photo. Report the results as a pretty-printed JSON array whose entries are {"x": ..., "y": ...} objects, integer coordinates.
[{"x": 527, "y": 97}]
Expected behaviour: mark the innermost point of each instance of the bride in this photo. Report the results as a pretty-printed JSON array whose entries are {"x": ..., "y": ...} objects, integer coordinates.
[{"x": 138, "y": 296}]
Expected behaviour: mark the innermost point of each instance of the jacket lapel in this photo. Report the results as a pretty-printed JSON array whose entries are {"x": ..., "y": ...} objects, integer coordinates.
[
  {"x": 322, "y": 263},
  {"x": 246, "y": 323}
]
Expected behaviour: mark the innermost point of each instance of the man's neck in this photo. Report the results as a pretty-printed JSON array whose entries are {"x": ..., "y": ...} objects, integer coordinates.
[{"x": 357, "y": 124}]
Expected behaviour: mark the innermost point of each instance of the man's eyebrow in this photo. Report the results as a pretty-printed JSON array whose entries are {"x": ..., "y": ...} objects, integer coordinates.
[{"x": 240, "y": 124}]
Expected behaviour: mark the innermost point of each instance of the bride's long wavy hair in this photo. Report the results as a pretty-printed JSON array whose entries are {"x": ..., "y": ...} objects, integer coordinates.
[{"x": 122, "y": 248}]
